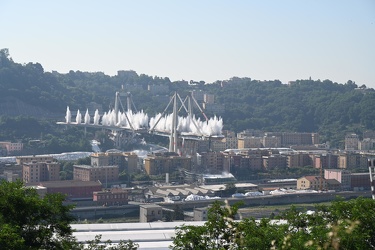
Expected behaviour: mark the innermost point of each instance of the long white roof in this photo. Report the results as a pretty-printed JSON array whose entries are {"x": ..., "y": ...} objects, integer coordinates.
[{"x": 154, "y": 235}]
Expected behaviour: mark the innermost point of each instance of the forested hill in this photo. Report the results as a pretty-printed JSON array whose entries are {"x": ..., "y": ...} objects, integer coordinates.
[{"x": 332, "y": 109}]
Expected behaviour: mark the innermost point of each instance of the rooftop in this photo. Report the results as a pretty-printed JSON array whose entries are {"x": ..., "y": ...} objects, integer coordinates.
[
  {"x": 150, "y": 206},
  {"x": 69, "y": 183},
  {"x": 90, "y": 167}
]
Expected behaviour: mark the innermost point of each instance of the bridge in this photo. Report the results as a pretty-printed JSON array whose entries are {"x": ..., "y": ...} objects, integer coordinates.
[{"x": 126, "y": 123}]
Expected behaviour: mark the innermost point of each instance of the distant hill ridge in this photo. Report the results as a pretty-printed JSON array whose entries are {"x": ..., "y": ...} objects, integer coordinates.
[{"x": 329, "y": 108}]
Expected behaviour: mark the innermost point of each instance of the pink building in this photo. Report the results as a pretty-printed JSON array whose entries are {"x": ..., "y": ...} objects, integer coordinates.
[{"x": 341, "y": 175}]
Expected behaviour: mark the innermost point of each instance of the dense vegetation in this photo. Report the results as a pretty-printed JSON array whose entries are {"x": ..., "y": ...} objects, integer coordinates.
[
  {"x": 42, "y": 136},
  {"x": 327, "y": 107},
  {"x": 341, "y": 225}
]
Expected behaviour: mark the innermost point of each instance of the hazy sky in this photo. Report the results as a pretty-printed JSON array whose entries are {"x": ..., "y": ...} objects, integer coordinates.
[{"x": 196, "y": 40}]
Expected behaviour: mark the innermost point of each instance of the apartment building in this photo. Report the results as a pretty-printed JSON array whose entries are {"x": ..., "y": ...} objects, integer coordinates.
[
  {"x": 34, "y": 171},
  {"x": 324, "y": 160},
  {"x": 157, "y": 164},
  {"x": 352, "y": 160},
  {"x": 366, "y": 144},
  {"x": 299, "y": 139},
  {"x": 298, "y": 160},
  {"x": 341, "y": 175},
  {"x": 39, "y": 158},
  {"x": 213, "y": 161},
  {"x": 249, "y": 133},
  {"x": 271, "y": 141},
  {"x": 218, "y": 145},
  {"x": 11, "y": 147},
  {"x": 294, "y": 138},
  {"x": 250, "y": 142},
  {"x": 124, "y": 160},
  {"x": 274, "y": 161},
  {"x": 234, "y": 162},
  {"x": 104, "y": 174},
  {"x": 231, "y": 142},
  {"x": 351, "y": 142},
  {"x": 228, "y": 133}
]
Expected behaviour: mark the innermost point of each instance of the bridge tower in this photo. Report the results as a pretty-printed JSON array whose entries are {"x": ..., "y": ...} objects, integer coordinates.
[
  {"x": 371, "y": 167},
  {"x": 173, "y": 137},
  {"x": 122, "y": 137}
]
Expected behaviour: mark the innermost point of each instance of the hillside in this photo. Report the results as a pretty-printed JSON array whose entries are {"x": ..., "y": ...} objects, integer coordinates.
[
  {"x": 12, "y": 106},
  {"x": 330, "y": 108}
]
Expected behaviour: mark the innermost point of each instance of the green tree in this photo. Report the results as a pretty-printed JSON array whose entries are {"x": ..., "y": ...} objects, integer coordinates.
[
  {"x": 341, "y": 225},
  {"x": 31, "y": 222},
  {"x": 84, "y": 161},
  {"x": 97, "y": 244},
  {"x": 217, "y": 233}
]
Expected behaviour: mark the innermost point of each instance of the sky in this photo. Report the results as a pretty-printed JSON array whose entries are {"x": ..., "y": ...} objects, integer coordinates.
[{"x": 196, "y": 40}]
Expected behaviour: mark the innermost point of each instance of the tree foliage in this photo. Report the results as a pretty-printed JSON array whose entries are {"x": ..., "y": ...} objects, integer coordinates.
[
  {"x": 32, "y": 222},
  {"x": 41, "y": 136},
  {"x": 341, "y": 225}
]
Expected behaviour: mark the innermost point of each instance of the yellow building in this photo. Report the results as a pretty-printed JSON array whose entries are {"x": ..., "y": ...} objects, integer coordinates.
[
  {"x": 250, "y": 142},
  {"x": 165, "y": 163},
  {"x": 312, "y": 182},
  {"x": 103, "y": 174},
  {"x": 124, "y": 160}
]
